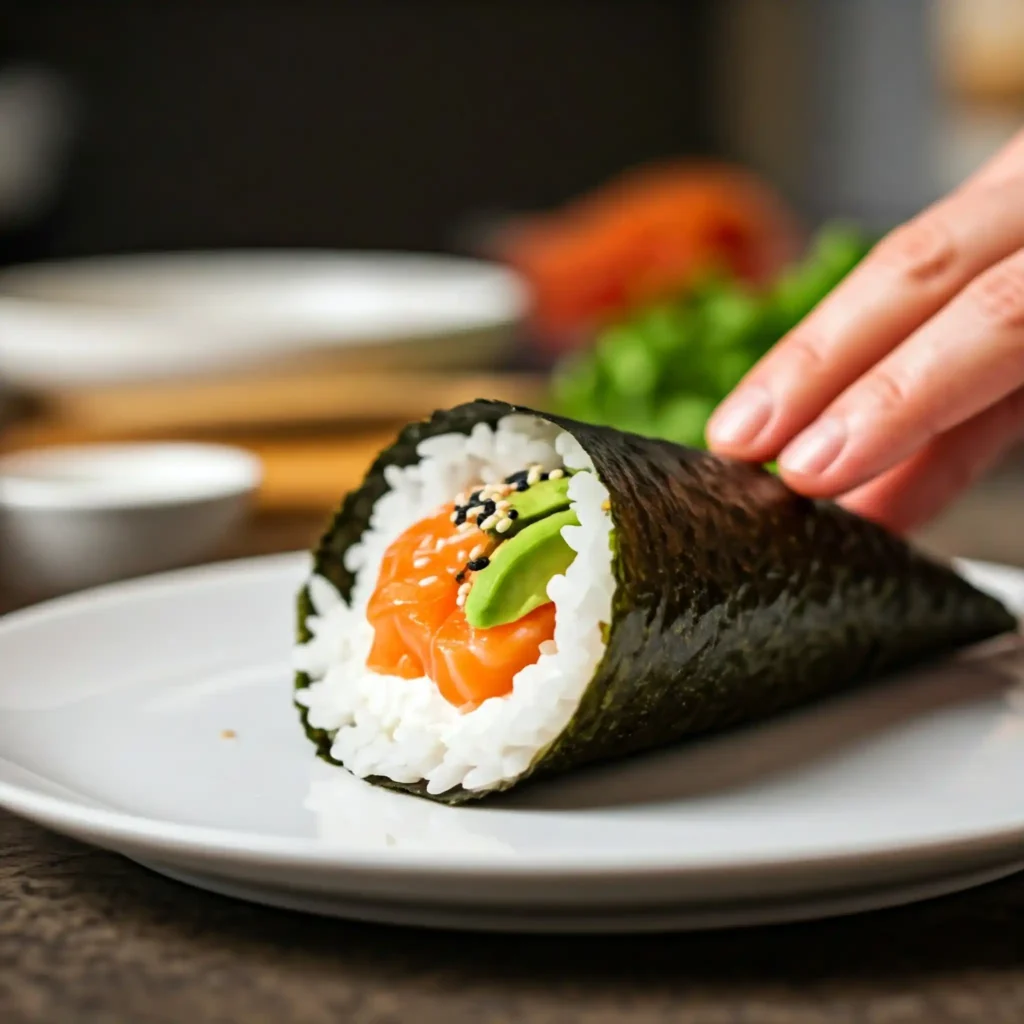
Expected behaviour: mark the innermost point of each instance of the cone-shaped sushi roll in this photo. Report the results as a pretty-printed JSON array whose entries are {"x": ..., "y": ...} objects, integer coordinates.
[{"x": 511, "y": 595}]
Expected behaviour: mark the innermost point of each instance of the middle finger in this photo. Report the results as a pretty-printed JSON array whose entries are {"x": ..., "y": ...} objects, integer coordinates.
[
  {"x": 905, "y": 280},
  {"x": 963, "y": 360}
]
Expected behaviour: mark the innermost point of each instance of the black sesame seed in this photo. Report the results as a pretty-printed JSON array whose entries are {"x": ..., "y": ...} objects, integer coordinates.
[
  {"x": 474, "y": 499},
  {"x": 512, "y": 514},
  {"x": 460, "y": 516},
  {"x": 516, "y": 478},
  {"x": 490, "y": 508},
  {"x": 522, "y": 485},
  {"x": 460, "y": 576},
  {"x": 478, "y": 563}
]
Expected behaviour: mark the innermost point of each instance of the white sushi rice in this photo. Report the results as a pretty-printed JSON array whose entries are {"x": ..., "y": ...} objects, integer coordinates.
[{"x": 403, "y": 729}]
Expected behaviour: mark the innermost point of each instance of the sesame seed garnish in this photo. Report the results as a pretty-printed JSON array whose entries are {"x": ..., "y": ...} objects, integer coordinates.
[
  {"x": 477, "y": 551},
  {"x": 488, "y": 523},
  {"x": 478, "y": 563},
  {"x": 556, "y": 474},
  {"x": 461, "y": 556},
  {"x": 513, "y": 513},
  {"x": 439, "y": 545},
  {"x": 502, "y": 505},
  {"x": 522, "y": 485},
  {"x": 464, "y": 527},
  {"x": 420, "y": 563},
  {"x": 427, "y": 580},
  {"x": 533, "y": 477},
  {"x": 504, "y": 526}
]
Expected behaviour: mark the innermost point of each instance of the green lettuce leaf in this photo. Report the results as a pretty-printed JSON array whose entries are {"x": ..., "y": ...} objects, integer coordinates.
[{"x": 662, "y": 371}]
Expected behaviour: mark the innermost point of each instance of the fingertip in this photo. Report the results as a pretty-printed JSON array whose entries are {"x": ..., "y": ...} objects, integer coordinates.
[
  {"x": 737, "y": 423},
  {"x": 816, "y": 450},
  {"x": 882, "y": 510},
  {"x": 808, "y": 486}
]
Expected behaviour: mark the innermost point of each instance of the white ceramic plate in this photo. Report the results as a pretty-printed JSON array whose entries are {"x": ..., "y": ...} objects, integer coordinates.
[
  {"x": 115, "y": 319},
  {"x": 154, "y": 718}
]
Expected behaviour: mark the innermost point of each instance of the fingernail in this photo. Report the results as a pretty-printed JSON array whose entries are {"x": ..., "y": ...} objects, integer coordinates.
[
  {"x": 740, "y": 419},
  {"x": 813, "y": 452}
]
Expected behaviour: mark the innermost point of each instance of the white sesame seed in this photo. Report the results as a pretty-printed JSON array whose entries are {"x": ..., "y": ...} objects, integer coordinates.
[
  {"x": 502, "y": 505},
  {"x": 477, "y": 552},
  {"x": 439, "y": 546},
  {"x": 488, "y": 523},
  {"x": 460, "y": 601},
  {"x": 556, "y": 474},
  {"x": 533, "y": 476},
  {"x": 504, "y": 526},
  {"x": 420, "y": 563},
  {"x": 461, "y": 556},
  {"x": 465, "y": 527},
  {"x": 454, "y": 516},
  {"x": 427, "y": 580}
]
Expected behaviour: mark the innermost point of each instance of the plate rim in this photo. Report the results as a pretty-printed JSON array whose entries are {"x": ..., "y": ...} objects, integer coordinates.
[
  {"x": 509, "y": 306},
  {"x": 674, "y": 915},
  {"x": 113, "y": 828}
]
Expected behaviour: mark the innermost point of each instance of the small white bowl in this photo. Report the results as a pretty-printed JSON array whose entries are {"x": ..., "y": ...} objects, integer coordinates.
[{"x": 76, "y": 517}]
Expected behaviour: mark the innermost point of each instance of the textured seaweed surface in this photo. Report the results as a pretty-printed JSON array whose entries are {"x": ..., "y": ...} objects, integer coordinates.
[{"x": 735, "y": 598}]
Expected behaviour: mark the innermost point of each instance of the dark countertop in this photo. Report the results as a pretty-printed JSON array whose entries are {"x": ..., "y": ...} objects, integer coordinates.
[{"x": 87, "y": 936}]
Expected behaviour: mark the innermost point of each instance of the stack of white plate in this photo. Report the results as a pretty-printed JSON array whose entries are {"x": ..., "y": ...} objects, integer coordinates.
[{"x": 140, "y": 318}]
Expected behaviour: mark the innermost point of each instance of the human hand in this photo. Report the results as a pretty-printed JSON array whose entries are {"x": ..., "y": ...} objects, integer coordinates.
[{"x": 907, "y": 382}]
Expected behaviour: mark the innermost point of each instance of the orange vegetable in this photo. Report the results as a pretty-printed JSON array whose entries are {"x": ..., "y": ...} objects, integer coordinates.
[
  {"x": 646, "y": 236},
  {"x": 419, "y": 629}
]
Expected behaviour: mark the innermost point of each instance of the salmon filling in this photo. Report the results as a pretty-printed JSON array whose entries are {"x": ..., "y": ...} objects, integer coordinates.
[{"x": 420, "y": 626}]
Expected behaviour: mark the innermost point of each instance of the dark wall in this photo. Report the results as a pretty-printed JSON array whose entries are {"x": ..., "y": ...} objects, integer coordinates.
[{"x": 377, "y": 124}]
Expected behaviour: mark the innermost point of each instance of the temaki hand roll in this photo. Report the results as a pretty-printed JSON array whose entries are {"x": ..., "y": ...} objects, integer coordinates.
[{"x": 511, "y": 595}]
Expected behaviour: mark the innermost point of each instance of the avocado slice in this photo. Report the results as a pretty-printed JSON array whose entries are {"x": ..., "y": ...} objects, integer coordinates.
[
  {"x": 515, "y": 581},
  {"x": 542, "y": 499}
]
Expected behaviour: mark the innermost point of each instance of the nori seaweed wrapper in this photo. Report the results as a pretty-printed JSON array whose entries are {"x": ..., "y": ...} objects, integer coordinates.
[{"x": 736, "y": 598}]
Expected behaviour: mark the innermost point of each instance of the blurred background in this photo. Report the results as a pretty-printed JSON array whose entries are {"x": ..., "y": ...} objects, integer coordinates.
[{"x": 615, "y": 207}]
